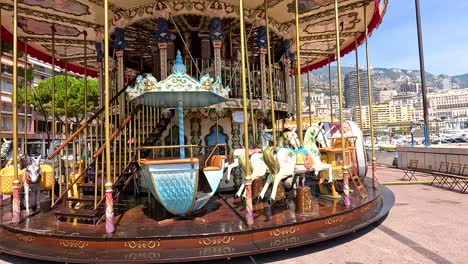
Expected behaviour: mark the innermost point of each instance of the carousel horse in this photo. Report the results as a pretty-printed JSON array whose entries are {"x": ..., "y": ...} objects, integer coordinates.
[
  {"x": 281, "y": 162},
  {"x": 258, "y": 168},
  {"x": 32, "y": 180},
  {"x": 6, "y": 155},
  {"x": 313, "y": 135}
]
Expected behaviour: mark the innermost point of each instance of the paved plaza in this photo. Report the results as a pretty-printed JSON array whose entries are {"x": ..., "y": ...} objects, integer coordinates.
[{"x": 426, "y": 225}]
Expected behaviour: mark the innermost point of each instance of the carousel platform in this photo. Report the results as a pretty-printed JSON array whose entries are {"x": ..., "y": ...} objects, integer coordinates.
[{"x": 218, "y": 232}]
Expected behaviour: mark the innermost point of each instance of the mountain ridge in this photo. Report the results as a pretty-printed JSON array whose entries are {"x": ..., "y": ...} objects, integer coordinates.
[{"x": 389, "y": 78}]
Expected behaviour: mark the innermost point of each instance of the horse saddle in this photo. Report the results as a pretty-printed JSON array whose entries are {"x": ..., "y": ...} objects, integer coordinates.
[{"x": 303, "y": 158}]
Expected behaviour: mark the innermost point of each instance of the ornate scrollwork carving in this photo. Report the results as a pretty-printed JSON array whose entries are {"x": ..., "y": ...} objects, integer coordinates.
[
  {"x": 284, "y": 231},
  {"x": 73, "y": 244},
  {"x": 25, "y": 238},
  {"x": 211, "y": 241},
  {"x": 142, "y": 244},
  {"x": 334, "y": 220}
]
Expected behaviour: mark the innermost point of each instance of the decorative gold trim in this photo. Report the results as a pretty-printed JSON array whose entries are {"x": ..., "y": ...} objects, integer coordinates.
[
  {"x": 73, "y": 244},
  {"x": 211, "y": 241},
  {"x": 334, "y": 220},
  {"x": 284, "y": 231},
  {"x": 25, "y": 238},
  {"x": 142, "y": 244}
]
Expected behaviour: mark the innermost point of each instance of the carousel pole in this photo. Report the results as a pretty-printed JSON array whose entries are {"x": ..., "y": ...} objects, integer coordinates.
[
  {"x": 298, "y": 79},
  {"x": 25, "y": 76},
  {"x": 54, "y": 125},
  {"x": 248, "y": 177},
  {"x": 358, "y": 86},
  {"x": 67, "y": 168},
  {"x": 346, "y": 198},
  {"x": 371, "y": 111},
  {"x": 331, "y": 90},
  {"x": 16, "y": 214},
  {"x": 270, "y": 74},
  {"x": 85, "y": 114},
  {"x": 252, "y": 117},
  {"x": 110, "y": 228},
  {"x": 309, "y": 99}
]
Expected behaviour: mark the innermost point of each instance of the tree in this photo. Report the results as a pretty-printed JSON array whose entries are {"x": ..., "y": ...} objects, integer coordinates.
[{"x": 41, "y": 98}]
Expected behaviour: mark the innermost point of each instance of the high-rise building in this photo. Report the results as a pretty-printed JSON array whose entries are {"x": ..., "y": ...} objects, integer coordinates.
[{"x": 351, "y": 89}]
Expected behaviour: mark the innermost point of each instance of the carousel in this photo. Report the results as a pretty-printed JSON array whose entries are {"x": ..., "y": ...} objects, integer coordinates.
[{"x": 184, "y": 156}]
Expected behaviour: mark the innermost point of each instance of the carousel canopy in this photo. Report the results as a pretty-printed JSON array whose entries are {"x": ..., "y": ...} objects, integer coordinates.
[
  {"x": 178, "y": 87},
  {"x": 72, "y": 19}
]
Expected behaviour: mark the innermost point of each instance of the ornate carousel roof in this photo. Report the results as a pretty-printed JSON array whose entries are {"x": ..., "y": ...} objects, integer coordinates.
[
  {"x": 72, "y": 18},
  {"x": 179, "y": 86}
]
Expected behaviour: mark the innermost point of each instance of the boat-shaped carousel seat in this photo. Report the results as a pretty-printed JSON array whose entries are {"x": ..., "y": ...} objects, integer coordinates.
[
  {"x": 173, "y": 182},
  {"x": 214, "y": 174}
]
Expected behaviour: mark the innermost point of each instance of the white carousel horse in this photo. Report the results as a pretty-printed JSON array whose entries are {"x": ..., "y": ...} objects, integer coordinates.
[
  {"x": 258, "y": 168},
  {"x": 315, "y": 134},
  {"x": 6, "y": 154},
  {"x": 306, "y": 158},
  {"x": 281, "y": 163},
  {"x": 32, "y": 179}
]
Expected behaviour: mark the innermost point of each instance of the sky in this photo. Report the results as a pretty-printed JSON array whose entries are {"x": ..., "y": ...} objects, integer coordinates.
[{"x": 394, "y": 44}]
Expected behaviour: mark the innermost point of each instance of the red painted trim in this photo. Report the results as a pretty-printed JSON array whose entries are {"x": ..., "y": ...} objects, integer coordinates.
[
  {"x": 7, "y": 36},
  {"x": 374, "y": 23}
]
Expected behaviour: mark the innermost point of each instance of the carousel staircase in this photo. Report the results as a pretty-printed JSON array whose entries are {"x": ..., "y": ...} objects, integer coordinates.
[{"x": 91, "y": 198}]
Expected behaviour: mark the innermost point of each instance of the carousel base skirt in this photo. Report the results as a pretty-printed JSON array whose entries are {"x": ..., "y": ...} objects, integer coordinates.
[{"x": 217, "y": 233}]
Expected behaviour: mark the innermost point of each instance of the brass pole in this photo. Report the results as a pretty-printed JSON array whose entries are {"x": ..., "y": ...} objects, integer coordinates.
[
  {"x": 371, "y": 111},
  {"x": 347, "y": 200},
  {"x": 252, "y": 117},
  {"x": 270, "y": 76},
  {"x": 54, "y": 126},
  {"x": 25, "y": 76},
  {"x": 85, "y": 114},
  {"x": 358, "y": 85},
  {"x": 298, "y": 79},
  {"x": 331, "y": 90},
  {"x": 309, "y": 99},
  {"x": 248, "y": 178},
  {"x": 109, "y": 200},
  {"x": 67, "y": 169},
  {"x": 16, "y": 199}
]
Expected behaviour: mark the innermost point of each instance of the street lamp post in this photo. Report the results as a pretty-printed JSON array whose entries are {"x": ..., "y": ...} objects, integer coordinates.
[{"x": 423, "y": 75}]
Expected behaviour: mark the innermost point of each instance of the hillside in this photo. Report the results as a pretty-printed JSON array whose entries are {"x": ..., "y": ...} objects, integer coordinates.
[{"x": 385, "y": 78}]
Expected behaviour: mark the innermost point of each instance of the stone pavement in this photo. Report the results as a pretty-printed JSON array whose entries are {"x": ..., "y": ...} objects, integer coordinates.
[{"x": 426, "y": 225}]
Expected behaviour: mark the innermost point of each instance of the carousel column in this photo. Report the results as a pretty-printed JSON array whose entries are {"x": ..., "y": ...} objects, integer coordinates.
[
  {"x": 205, "y": 50},
  {"x": 16, "y": 214},
  {"x": 248, "y": 177},
  {"x": 119, "y": 48},
  {"x": 163, "y": 36},
  {"x": 287, "y": 61},
  {"x": 217, "y": 37},
  {"x": 346, "y": 198},
  {"x": 163, "y": 59},
  {"x": 110, "y": 228},
  {"x": 375, "y": 182},
  {"x": 262, "y": 45},
  {"x": 1, "y": 82},
  {"x": 270, "y": 74},
  {"x": 99, "y": 58}
]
